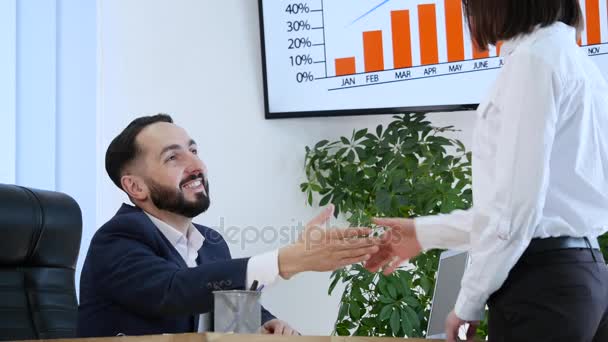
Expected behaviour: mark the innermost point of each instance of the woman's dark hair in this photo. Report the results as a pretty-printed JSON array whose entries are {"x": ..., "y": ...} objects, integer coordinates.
[
  {"x": 123, "y": 149},
  {"x": 491, "y": 21}
]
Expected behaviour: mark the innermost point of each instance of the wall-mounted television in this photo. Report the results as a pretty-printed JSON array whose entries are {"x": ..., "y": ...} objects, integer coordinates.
[{"x": 351, "y": 57}]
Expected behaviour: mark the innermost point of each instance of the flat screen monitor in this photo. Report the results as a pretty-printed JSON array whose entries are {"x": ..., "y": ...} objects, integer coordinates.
[{"x": 349, "y": 57}]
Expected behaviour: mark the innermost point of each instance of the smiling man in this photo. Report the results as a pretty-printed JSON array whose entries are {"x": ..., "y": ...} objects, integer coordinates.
[{"x": 150, "y": 270}]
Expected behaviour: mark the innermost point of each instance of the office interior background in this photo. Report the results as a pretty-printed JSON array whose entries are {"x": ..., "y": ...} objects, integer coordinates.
[{"x": 73, "y": 73}]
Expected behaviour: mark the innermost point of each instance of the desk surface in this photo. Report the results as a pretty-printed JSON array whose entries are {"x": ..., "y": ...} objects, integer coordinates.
[
  {"x": 260, "y": 338},
  {"x": 213, "y": 337}
]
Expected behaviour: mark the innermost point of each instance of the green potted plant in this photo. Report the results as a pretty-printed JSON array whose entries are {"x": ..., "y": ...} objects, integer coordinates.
[{"x": 407, "y": 169}]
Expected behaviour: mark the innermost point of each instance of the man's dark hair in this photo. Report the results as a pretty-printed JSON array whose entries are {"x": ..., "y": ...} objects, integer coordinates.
[
  {"x": 123, "y": 149},
  {"x": 491, "y": 21}
]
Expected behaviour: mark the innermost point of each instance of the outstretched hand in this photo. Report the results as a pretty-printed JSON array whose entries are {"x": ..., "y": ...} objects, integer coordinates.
[
  {"x": 320, "y": 249},
  {"x": 398, "y": 244}
]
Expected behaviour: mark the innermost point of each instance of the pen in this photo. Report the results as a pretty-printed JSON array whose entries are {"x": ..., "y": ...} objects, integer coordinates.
[{"x": 254, "y": 286}]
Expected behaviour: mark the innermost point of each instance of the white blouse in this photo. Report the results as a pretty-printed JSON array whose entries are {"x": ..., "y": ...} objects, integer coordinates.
[{"x": 540, "y": 162}]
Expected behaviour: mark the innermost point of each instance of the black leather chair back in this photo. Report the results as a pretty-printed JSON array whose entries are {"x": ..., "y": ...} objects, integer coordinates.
[{"x": 40, "y": 235}]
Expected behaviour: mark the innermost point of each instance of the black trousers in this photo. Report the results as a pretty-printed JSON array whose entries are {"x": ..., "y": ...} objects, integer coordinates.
[{"x": 558, "y": 295}]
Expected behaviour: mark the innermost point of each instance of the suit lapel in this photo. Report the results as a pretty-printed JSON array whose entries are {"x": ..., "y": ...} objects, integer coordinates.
[
  {"x": 205, "y": 257},
  {"x": 176, "y": 256},
  {"x": 205, "y": 254}
]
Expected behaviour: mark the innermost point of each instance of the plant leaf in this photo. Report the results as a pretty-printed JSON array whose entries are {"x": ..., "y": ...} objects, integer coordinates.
[
  {"x": 425, "y": 283},
  {"x": 360, "y": 134},
  {"x": 355, "y": 311},
  {"x": 392, "y": 290},
  {"x": 343, "y": 311},
  {"x": 325, "y": 200},
  {"x": 395, "y": 322},
  {"x": 411, "y": 301},
  {"x": 404, "y": 282},
  {"x": 356, "y": 293},
  {"x": 349, "y": 324},
  {"x": 411, "y": 316},
  {"x": 321, "y": 144},
  {"x": 383, "y": 200},
  {"x": 334, "y": 282},
  {"x": 385, "y": 313},
  {"x": 371, "y": 173},
  {"x": 382, "y": 285},
  {"x": 316, "y": 187},
  {"x": 406, "y": 324},
  {"x": 351, "y": 156},
  {"x": 341, "y": 331},
  {"x": 386, "y": 300}
]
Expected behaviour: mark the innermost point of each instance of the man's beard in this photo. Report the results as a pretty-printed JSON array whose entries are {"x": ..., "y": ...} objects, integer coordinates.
[{"x": 174, "y": 200}]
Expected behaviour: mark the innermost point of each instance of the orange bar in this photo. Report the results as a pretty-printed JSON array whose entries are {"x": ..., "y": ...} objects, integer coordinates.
[
  {"x": 345, "y": 66},
  {"x": 455, "y": 32},
  {"x": 592, "y": 7},
  {"x": 479, "y": 53},
  {"x": 402, "y": 39},
  {"x": 498, "y": 48},
  {"x": 373, "y": 51},
  {"x": 427, "y": 25}
]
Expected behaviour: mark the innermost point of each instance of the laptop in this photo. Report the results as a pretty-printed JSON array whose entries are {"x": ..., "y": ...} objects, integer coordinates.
[{"x": 447, "y": 286}]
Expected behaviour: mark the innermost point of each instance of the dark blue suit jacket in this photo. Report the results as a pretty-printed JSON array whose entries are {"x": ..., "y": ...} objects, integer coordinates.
[{"x": 134, "y": 282}]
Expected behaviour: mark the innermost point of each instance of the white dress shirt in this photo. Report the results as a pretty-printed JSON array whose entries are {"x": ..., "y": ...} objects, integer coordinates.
[
  {"x": 540, "y": 162},
  {"x": 264, "y": 267}
]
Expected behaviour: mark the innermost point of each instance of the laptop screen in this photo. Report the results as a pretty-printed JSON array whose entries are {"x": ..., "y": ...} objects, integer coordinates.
[{"x": 447, "y": 286}]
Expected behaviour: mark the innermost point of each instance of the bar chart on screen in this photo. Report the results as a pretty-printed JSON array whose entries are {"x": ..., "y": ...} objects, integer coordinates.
[
  {"x": 394, "y": 55},
  {"x": 425, "y": 40},
  {"x": 595, "y": 36}
]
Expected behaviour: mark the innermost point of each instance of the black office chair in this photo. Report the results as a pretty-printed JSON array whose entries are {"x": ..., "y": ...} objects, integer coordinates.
[{"x": 40, "y": 235}]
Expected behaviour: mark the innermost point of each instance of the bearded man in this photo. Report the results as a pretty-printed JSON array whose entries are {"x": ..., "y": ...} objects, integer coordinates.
[{"x": 150, "y": 270}]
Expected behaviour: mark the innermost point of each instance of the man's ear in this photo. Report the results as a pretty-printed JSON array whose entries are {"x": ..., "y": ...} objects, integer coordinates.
[{"x": 135, "y": 187}]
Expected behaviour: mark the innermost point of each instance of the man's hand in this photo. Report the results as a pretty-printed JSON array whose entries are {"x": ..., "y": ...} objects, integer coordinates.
[
  {"x": 452, "y": 327},
  {"x": 399, "y": 243},
  {"x": 278, "y": 327},
  {"x": 319, "y": 249}
]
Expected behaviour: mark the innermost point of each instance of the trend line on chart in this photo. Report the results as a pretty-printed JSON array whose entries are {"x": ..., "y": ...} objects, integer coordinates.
[{"x": 370, "y": 11}]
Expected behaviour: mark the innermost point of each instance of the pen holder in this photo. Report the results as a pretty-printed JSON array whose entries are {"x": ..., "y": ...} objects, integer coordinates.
[{"x": 237, "y": 312}]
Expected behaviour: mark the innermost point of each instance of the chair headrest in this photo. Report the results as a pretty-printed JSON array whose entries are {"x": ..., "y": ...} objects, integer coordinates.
[{"x": 38, "y": 228}]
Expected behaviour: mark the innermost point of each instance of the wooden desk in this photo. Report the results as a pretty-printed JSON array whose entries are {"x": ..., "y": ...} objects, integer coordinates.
[
  {"x": 213, "y": 337},
  {"x": 260, "y": 338}
]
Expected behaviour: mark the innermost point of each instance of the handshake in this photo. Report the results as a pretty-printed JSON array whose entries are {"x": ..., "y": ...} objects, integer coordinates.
[{"x": 321, "y": 250}]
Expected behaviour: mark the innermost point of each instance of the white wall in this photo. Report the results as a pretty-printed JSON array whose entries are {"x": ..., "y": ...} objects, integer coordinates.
[{"x": 200, "y": 61}]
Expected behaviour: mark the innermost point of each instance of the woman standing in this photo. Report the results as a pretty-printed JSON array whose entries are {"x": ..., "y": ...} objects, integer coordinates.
[{"x": 540, "y": 185}]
